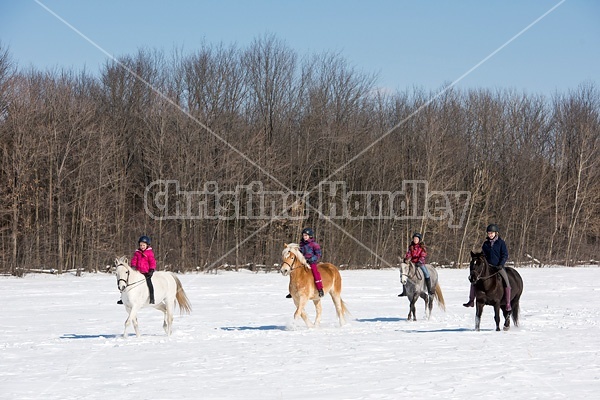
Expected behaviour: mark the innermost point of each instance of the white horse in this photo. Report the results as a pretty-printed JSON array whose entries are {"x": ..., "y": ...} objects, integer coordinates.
[
  {"x": 414, "y": 284},
  {"x": 135, "y": 294}
]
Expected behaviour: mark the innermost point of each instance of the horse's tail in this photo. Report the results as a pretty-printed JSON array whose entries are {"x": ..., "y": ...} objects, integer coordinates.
[
  {"x": 344, "y": 308},
  {"x": 337, "y": 288},
  {"x": 515, "y": 311},
  {"x": 439, "y": 297},
  {"x": 185, "y": 307}
]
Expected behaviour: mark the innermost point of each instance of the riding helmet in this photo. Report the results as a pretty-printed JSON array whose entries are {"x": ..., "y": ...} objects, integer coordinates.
[
  {"x": 417, "y": 234},
  {"x": 308, "y": 231},
  {"x": 144, "y": 239},
  {"x": 493, "y": 228}
]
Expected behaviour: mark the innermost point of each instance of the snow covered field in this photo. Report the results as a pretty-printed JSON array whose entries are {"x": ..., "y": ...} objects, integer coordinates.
[{"x": 60, "y": 338}]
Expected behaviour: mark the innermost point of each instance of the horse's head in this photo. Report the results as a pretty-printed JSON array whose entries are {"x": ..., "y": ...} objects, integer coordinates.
[
  {"x": 122, "y": 270},
  {"x": 292, "y": 258},
  {"x": 404, "y": 270},
  {"x": 477, "y": 266}
]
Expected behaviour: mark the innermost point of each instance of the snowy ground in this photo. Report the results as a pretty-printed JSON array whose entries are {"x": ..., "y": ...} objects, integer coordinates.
[{"x": 60, "y": 339}]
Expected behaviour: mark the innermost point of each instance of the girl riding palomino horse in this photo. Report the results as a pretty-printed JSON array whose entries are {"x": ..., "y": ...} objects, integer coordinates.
[
  {"x": 496, "y": 254},
  {"x": 311, "y": 250},
  {"x": 417, "y": 253},
  {"x": 143, "y": 260}
]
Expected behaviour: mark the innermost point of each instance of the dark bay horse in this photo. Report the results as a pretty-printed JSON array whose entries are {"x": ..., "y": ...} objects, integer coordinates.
[
  {"x": 414, "y": 284},
  {"x": 303, "y": 288},
  {"x": 489, "y": 290}
]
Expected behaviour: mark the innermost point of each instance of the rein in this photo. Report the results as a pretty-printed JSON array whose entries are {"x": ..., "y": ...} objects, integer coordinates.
[
  {"x": 415, "y": 275},
  {"x": 480, "y": 278},
  {"x": 127, "y": 284},
  {"x": 292, "y": 264}
]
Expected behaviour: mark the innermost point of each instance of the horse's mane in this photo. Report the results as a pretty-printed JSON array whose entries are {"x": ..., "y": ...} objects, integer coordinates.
[{"x": 294, "y": 248}]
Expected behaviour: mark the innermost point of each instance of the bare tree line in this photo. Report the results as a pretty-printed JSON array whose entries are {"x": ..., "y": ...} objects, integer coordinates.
[{"x": 79, "y": 153}]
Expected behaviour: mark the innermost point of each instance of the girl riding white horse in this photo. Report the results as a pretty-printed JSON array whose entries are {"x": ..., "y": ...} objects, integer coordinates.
[{"x": 135, "y": 294}]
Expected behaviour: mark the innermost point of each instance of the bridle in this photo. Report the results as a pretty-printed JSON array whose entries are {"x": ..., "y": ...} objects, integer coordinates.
[
  {"x": 292, "y": 264},
  {"x": 480, "y": 272},
  {"x": 127, "y": 284}
]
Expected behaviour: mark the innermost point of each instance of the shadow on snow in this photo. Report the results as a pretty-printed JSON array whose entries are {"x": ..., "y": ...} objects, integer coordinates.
[
  {"x": 254, "y": 328},
  {"x": 439, "y": 330},
  {"x": 99, "y": 336},
  {"x": 380, "y": 319}
]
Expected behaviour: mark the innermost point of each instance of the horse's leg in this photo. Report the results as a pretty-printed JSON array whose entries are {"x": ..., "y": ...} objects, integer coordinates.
[
  {"x": 497, "y": 315},
  {"x": 319, "y": 309},
  {"x": 127, "y": 321},
  {"x": 413, "y": 308},
  {"x": 429, "y": 306},
  {"x": 167, "y": 308},
  {"x": 135, "y": 326},
  {"x": 132, "y": 319},
  {"x": 478, "y": 312},
  {"x": 506, "y": 319},
  {"x": 300, "y": 311},
  {"x": 337, "y": 302}
]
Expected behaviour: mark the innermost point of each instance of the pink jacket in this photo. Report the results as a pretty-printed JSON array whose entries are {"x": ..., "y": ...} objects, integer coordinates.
[
  {"x": 416, "y": 253},
  {"x": 143, "y": 261}
]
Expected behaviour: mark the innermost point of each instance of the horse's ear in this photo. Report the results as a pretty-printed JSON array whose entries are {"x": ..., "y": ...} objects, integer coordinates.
[
  {"x": 116, "y": 262},
  {"x": 285, "y": 245},
  {"x": 472, "y": 254}
]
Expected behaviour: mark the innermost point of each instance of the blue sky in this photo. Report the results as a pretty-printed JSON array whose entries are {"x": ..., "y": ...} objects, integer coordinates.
[{"x": 408, "y": 44}]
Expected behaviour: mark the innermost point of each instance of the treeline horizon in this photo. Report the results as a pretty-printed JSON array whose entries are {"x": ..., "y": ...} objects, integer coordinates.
[{"x": 81, "y": 155}]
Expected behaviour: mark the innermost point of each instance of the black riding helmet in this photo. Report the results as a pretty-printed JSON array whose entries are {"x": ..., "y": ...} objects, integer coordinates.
[
  {"x": 308, "y": 231},
  {"x": 493, "y": 228},
  {"x": 144, "y": 239},
  {"x": 417, "y": 234}
]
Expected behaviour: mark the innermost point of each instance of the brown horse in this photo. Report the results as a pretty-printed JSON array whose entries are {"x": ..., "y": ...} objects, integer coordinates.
[
  {"x": 489, "y": 290},
  {"x": 303, "y": 288}
]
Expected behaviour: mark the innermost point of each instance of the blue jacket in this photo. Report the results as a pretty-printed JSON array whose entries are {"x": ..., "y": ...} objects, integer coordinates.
[
  {"x": 310, "y": 250},
  {"x": 495, "y": 251}
]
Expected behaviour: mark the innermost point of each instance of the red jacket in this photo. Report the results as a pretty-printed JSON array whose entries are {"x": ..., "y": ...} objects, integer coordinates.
[
  {"x": 416, "y": 253},
  {"x": 143, "y": 261}
]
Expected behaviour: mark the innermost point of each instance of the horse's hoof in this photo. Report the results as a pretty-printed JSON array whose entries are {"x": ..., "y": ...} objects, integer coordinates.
[
  {"x": 497, "y": 329},
  {"x": 506, "y": 328}
]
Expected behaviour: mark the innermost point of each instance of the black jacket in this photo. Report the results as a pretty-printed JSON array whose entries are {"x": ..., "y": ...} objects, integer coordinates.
[{"x": 496, "y": 254}]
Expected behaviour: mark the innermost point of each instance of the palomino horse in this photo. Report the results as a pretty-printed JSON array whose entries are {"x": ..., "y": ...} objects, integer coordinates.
[
  {"x": 414, "y": 283},
  {"x": 489, "y": 290},
  {"x": 135, "y": 294},
  {"x": 303, "y": 288}
]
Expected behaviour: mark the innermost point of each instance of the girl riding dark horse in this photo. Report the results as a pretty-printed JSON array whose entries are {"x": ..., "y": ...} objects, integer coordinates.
[
  {"x": 496, "y": 255},
  {"x": 489, "y": 290}
]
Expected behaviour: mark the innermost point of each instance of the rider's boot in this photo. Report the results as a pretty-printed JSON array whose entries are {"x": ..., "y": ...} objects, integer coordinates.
[
  {"x": 289, "y": 296},
  {"x": 428, "y": 283},
  {"x": 507, "y": 298},
  {"x": 150, "y": 289},
  {"x": 120, "y": 301},
  {"x": 403, "y": 292},
  {"x": 471, "y": 301}
]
